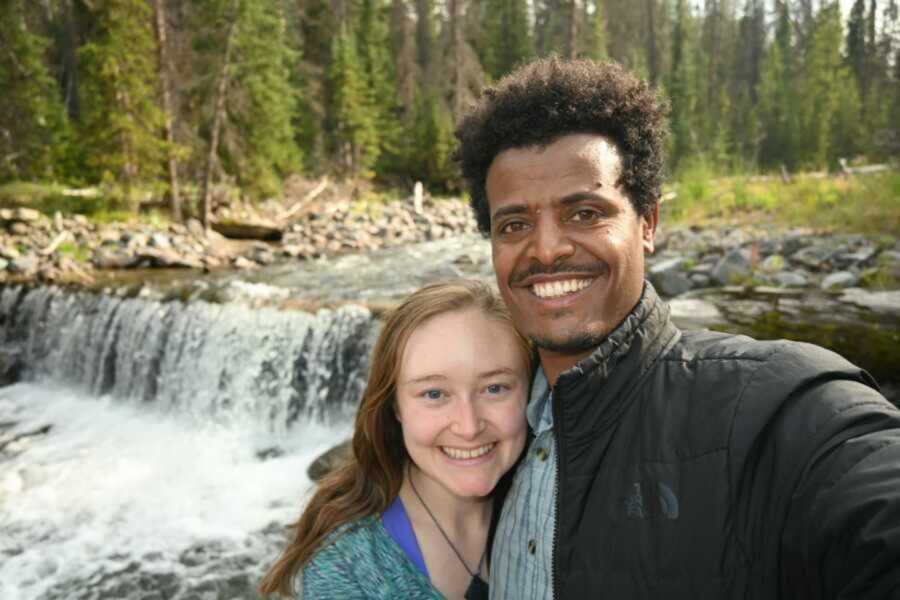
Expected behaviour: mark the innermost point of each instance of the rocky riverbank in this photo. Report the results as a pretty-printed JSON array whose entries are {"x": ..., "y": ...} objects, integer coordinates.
[{"x": 34, "y": 247}]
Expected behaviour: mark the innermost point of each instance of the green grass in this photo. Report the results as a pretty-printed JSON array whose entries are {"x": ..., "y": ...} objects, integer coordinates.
[
  {"x": 74, "y": 251},
  {"x": 863, "y": 203}
]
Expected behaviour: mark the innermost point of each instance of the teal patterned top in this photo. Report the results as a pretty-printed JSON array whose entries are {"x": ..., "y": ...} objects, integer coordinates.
[{"x": 361, "y": 561}]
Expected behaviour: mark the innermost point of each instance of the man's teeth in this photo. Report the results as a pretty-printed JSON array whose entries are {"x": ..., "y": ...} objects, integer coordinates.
[
  {"x": 463, "y": 454},
  {"x": 555, "y": 289}
]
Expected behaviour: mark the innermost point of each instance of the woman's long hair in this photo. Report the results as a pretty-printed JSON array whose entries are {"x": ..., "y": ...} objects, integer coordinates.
[{"x": 369, "y": 482}]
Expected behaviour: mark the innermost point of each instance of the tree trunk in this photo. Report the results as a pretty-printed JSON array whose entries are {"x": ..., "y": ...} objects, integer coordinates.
[
  {"x": 70, "y": 62},
  {"x": 652, "y": 60},
  {"x": 572, "y": 34},
  {"x": 174, "y": 196},
  {"x": 218, "y": 115},
  {"x": 458, "y": 40}
]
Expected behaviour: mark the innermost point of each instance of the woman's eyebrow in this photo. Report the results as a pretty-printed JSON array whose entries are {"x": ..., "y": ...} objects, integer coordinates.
[
  {"x": 423, "y": 378},
  {"x": 495, "y": 372}
]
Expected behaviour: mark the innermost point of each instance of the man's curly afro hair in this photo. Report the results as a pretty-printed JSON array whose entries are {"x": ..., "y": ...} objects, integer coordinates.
[{"x": 549, "y": 98}]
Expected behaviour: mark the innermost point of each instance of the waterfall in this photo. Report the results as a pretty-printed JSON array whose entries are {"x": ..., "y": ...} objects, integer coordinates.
[
  {"x": 172, "y": 439},
  {"x": 222, "y": 362}
]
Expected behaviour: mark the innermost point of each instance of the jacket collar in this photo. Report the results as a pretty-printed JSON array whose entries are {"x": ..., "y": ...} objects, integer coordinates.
[{"x": 620, "y": 361}]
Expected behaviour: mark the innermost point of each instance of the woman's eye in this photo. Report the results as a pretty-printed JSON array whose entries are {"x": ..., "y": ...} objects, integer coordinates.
[
  {"x": 496, "y": 388},
  {"x": 433, "y": 394}
]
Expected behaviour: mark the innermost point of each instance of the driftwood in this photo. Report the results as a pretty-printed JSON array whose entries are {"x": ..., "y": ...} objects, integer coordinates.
[
  {"x": 59, "y": 239},
  {"x": 303, "y": 202},
  {"x": 248, "y": 230}
]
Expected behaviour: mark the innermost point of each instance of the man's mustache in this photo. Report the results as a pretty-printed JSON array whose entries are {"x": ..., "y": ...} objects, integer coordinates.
[{"x": 537, "y": 268}]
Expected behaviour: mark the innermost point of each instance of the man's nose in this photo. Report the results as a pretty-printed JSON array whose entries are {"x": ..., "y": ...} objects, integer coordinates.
[
  {"x": 467, "y": 421},
  {"x": 550, "y": 242}
]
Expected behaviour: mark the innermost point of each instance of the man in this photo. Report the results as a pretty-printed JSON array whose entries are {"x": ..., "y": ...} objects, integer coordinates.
[{"x": 665, "y": 464}]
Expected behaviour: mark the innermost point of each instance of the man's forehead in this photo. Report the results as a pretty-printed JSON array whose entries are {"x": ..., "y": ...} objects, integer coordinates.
[
  {"x": 561, "y": 156},
  {"x": 573, "y": 156}
]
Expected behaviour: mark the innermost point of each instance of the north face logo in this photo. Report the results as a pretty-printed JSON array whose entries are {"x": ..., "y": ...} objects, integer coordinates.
[{"x": 662, "y": 502}]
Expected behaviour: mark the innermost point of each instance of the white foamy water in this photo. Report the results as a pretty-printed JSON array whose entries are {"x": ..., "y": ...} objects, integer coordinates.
[{"x": 114, "y": 484}]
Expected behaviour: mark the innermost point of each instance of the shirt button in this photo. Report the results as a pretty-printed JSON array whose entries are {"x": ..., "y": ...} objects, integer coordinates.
[
  {"x": 532, "y": 546},
  {"x": 542, "y": 454}
]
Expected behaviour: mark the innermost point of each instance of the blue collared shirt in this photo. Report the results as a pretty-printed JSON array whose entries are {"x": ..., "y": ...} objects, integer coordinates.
[{"x": 522, "y": 557}]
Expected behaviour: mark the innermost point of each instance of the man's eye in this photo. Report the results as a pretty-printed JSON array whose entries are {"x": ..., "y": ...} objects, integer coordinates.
[
  {"x": 433, "y": 394},
  {"x": 585, "y": 214},
  {"x": 511, "y": 227}
]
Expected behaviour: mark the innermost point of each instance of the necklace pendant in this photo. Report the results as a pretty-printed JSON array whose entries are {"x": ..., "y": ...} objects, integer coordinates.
[{"x": 477, "y": 590}]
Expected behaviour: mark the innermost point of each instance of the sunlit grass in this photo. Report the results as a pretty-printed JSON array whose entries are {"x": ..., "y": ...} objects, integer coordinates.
[{"x": 860, "y": 203}]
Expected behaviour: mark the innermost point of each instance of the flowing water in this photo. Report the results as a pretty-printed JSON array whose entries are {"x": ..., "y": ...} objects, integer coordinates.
[
  {"x": 159, "y": 441},
  {"x": 179, "y": 436}
]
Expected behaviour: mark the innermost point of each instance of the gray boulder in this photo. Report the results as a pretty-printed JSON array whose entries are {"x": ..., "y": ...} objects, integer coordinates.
[
  {"x": 790, "y": 279},
  {"x": 840, "y": 280},
  {"x": 735, "y": 265},
  {"x": 330, "y": 460},
  {"x": 669, "y": 278},
  {"x": 23, "y": 265}
]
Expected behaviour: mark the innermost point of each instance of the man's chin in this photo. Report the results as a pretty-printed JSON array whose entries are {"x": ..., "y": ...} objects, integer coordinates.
[{"x": 576, "y": 343}]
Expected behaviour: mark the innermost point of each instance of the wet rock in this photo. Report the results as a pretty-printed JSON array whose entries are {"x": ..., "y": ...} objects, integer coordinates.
[
  {"x": 790, "y": 279},
  {"x": 166, "y": 258},
  {"x": 885, "y": 302},
  {"x": 669, "y": 278},
  {"x": 772, "y": 263},
  {"x": 814, "y": 257},
  {"x": 240, "y": 262},
  {"x": 329, "y": 460},
  {"x": 107, "y": 257},
  {"x": 23, "y": 265},
  {"x": 856, "y": 258},
  {"x": 12, "y": 364},
  {"x": 18, "y": 228},
  {"x": 269, "y": 453},
  {"x": 841, "y": 279},
  {"x": 732, "y": 267},
  {"x": 695, "y": 313},
  {"x": 700, "y": 280},
  {"x": 19, "y": 215},
  {"x": 159, "y": 240}
]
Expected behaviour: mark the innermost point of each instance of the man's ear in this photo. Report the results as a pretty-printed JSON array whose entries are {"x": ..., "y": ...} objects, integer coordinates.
[{"x": 648, "y": 228}]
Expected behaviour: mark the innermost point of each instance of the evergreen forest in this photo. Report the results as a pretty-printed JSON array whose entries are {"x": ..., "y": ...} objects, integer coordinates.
[{"x": 173, "y": 96}]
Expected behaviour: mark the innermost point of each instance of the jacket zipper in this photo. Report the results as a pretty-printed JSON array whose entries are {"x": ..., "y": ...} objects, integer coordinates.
[{"x": 557, "y": 426}]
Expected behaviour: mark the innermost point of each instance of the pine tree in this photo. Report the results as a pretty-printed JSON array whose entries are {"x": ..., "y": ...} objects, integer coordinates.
[
  {"x": 32, "y": 125},
  {"x": 857, "y": 55},
  {"x": 776, "y": 110},
  {"x": 379, "y": 72},
  {"x": 506, "y": 34},
  {"x": 682, "y": 86},
  {"x": 599, "y": 38},
  {"x": 824, "y": 72},
  {"x": 122, "y": 122},
  {"x": 265, "y": 103},
  {"x": 354, "y": 121},
  {"x": 432, "y": 142}
]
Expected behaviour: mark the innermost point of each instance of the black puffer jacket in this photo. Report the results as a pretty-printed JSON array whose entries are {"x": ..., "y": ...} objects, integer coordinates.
[{"x": 704, "y": 465}]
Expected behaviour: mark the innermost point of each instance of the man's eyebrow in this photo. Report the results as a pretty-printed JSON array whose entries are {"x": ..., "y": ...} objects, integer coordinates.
[
  {"x": 424, "y": 378},
  {"x": 509, "y": 209},
  {"x": 579, "y": 197},
  {"x": 517, "y": 209}
]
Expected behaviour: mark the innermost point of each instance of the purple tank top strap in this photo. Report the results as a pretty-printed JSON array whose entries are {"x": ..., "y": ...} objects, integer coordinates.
[{"x": 396, "y": 523}]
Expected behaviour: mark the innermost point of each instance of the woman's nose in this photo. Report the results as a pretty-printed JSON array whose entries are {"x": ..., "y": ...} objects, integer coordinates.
[{"x": 467, "y": 422}]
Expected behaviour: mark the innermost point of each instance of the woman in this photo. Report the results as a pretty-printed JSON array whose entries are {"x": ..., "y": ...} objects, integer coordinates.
[{"x": 441, "y": 421}]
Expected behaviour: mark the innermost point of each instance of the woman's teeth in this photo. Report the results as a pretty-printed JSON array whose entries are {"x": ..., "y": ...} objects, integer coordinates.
[
  {"x": 463, "y": 454},
  {"x": 555, "y": 289}
]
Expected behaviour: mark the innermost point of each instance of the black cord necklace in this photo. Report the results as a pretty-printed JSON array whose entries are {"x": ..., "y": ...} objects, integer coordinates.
[{"x": 478, "y": 588}]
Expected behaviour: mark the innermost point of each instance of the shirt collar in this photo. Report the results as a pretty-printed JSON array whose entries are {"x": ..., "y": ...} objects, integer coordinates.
[{"x": 540, "y": 406}]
